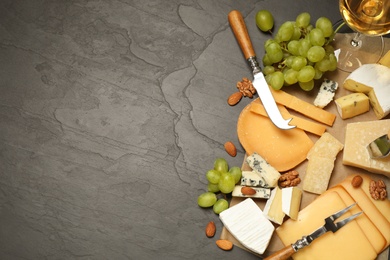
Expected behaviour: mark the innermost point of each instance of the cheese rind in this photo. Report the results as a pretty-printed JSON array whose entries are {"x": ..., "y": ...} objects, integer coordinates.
[
  {"x": 247, "y": 223},
  {"x": 291, "y": 201},
  {"x": 264, "y": 169},
  {"x": 352, "y": 105},
  {"x": 357, "y": 136},
  {"x": 261, "y": 193}
]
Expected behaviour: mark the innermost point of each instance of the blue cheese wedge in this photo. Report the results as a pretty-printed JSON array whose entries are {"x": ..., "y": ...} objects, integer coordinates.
[
  {"x": 326, "y": 93},
  {"x": 253, "y": 179},
  {"x": 261, "y": 193},
  {"x": 264, "y": 169},
  {"x": 247, "y": 223}
]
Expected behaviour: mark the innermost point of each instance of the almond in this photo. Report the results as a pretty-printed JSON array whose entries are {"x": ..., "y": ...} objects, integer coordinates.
[
  {"x": 231, "y": 149},
  {"x": 234, "y": 98},
  {"x": 210, "y": 229},
  {"x": 357, "y": 181},
  {"x": 224, "y": 244},
  {"x": 248, "y": 191}
]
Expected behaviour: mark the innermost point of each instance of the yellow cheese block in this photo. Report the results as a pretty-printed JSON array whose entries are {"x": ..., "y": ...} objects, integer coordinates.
[
  {"x": 291, "y": 201},
  {"x": 282, "y": 149},
  {"x": 357, "y": 136},
  {"x": 301, "y": 123},
  {"x": 348, "y": 243},
  {"x": 327, "y": 146},
  {"x": 303, "y": 107},
  {"x": 318, "y": 173},
  {"x": 273, "y": 208},
  {"x": 352, "y": 105}
]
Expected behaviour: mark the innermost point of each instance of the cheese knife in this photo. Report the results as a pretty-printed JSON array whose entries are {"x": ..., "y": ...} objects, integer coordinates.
[
  {"x": 380, "y": 147},
  {"x": 241, "y": 33},
  {"x": 330, "y": 225}
]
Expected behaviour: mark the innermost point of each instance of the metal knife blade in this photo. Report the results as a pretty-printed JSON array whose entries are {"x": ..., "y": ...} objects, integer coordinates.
[{"x": 241, "y": 33}]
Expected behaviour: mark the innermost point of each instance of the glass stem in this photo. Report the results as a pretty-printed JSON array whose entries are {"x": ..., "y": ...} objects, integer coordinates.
[{"x": 355, "y": 42}]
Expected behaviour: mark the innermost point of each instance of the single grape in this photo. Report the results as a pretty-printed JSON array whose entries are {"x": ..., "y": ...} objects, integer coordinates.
[
  {"x": 213, "y": 176},
  {"x": 293, "y": 47},
  {"x": 291, "y": 76},
  {"x": 264, "y": 20},
  {"x": 266, "y": 60},
  {"x": 221, "y": 165},
  {"x": 288, "y": 61},
  {"x": 323, "y": 65},
  {"x": 220, "y": 206},
  {"x": 237, "y": 173},
  {"x": 317, "y": 37},
  {"x": 303, "y": 20},
  {"x": 306, "y": 74},
  {"x": 227, "y": 183},
  {"x": 307, "y": 86},
  {"x": 315, "y": 53},
  {"x": 286, "y": 31},
  {"x": 212, "y": 187},
  {"x": 274, "y": 52},
  {"x": 318, "y": 74},
  {"x": 207, "y": 199},
  {"x": 277, "y": 80},
  {"x": 325, "y": 25},
  {"x": 298, "y": 63},
  {"x": 297, "y": 33},
  {"x": 268, "y": 69},
  {"x": 304, "y": 46}
]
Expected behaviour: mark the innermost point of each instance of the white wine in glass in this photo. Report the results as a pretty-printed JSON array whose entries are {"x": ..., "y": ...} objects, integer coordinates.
[{"x": 369, "y": 19}]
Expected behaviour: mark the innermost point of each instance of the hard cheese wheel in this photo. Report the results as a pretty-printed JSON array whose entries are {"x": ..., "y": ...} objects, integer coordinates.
[{"x": 282, "y": 149}]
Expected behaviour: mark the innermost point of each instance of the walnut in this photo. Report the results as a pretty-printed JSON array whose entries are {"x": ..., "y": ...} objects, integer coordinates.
[
  {"x": 378, "y": 190},
  {"x": 289, "y": 179},
  {"x": 246, "y": 88}
]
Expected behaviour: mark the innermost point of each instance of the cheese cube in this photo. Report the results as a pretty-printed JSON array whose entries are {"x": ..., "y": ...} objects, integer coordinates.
[
  {"x": 262, "y": 167},
  {"x": 352, "y": 105}
]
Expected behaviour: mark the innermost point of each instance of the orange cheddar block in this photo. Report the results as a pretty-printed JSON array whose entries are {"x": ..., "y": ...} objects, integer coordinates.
[
  {"x": 301, "y": 123},
  {"x": 350, "y": 242},
  {"x": 303, "y": 107}
]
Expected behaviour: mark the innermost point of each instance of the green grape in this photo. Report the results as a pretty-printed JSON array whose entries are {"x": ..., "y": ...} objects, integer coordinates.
[
  {"x": 323, "y": 65},
  {"x": 318, "y": 74},
  {"x": 304, "y": 46},
  {"x": 329, "y": 49},
  {"x": 221, "y": 165},
  {"x": 268, "y": 42},
  {"x": 266, "y": 60},
  {"x": 227, "y": 183},
  {"x": 291, "y": 76},
  {"x": 315, "y": 53},
  {"x": 306, "y": 74},
  {"x": 237, "y": 173},
  {"x": 277, "y": 80},
  {"x": 325, "y": 25},
  {"x": 274, "y": 52},
  {"x": 293, "y": 47},
  {"x": 307, "y": 86},
  {"x": 264, "y": 20},
  {"x": 303, "y": 20},
  {"x": 317, "y": 37},
  {"x": 333, "y": 62},
  {"x": 220, "y": 206},
  {"x": 213, "y": 176},
  {"x": 297, "y": 33},
  {"x": 207, "y": 199},
  {"x": 298, "y": 63},
  {"x": 212, "y": 187},
  {"x": 289, "y": 60},
  {"x": 268, "y": 69},
  {"x": 286, "y": 31}
]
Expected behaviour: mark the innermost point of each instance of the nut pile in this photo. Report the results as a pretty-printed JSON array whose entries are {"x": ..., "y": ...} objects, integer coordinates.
[
  {"x": 378, "y": 190},
  {"x": 245, "y": 88},
  {"x": 289, "y": 179}
]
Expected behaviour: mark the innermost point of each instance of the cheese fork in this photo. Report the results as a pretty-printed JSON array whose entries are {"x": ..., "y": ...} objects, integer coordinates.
[{"x": 330, "y": 225}]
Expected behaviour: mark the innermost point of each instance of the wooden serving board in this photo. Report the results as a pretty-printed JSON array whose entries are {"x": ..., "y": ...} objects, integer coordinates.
[{"x": 340, "y": 171}]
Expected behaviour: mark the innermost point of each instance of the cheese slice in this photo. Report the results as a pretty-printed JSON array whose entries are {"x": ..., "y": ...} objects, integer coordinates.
[
  {"x": 291, "y": 201},
  {"x": 373, "y": 80},
  {"x": 348, "y": 243},
  {"x": 301, "y": 123},
  {"x": 253, "y": 179},
  {"x": 327, "y": 146},
  {"x": 303, "y": 107},
  {"x": 318, "y": 173},
  {"x": 352, "y": 105},
  {"x": 273, "y": 208},
  {"x": 261, "y": 193},
  {"x": 246, "y": 222},
  {"x": 357, "y": 136},
  {"x": 326, "y": 93},
  {"x": 264, "y": 169}
]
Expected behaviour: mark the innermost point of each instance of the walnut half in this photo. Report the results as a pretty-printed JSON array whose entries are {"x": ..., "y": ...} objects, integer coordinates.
[
  {"x": 378, "y": 190},
  {"x": 246, "y": 88},
  {"x": 289, "y": 179}
]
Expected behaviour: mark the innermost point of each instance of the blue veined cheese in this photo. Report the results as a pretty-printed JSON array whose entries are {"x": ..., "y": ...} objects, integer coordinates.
[
  {"x": 261, "y": 193},
  {"x": 246, "y": 222},
  {"x": 253, "y": 179},
  {"x": 264, "y": 169},
  {"x": 326, "y": 93}
]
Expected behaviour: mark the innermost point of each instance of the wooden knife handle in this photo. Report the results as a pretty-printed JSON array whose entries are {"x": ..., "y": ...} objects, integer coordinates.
[
  {"x": 282, "y": 254},
  {"x": 240, "y": 31}
]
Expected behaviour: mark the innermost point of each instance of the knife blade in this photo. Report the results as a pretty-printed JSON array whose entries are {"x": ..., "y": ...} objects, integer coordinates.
[{"x": 260, "y": 84}]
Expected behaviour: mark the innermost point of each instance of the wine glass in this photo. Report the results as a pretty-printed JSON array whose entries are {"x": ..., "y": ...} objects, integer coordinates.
[{"x": 369, "y": 20}]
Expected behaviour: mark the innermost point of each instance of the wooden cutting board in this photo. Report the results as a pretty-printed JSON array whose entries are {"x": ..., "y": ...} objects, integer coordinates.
[{"x": 340, "y": 171}]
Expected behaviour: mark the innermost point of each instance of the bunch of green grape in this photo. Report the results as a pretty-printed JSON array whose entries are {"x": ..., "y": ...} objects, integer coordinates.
[
  {"x": 220, "y": 179},
  {"x": 299, "y": 52}
]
